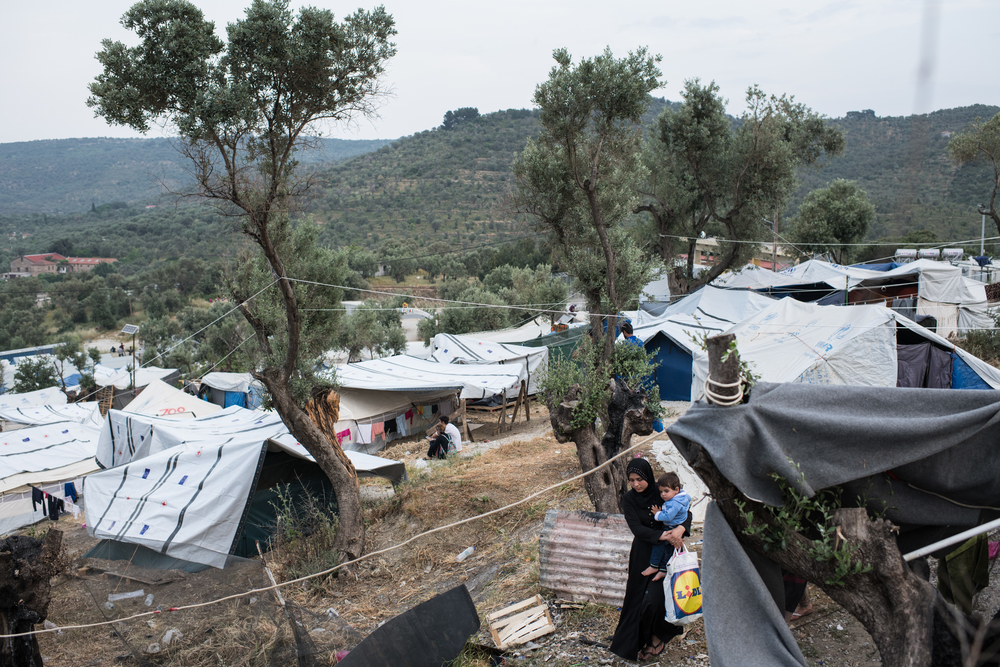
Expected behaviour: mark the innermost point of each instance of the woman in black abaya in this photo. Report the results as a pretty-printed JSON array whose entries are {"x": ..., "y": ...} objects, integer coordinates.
[{"x": 642, "y": 630}]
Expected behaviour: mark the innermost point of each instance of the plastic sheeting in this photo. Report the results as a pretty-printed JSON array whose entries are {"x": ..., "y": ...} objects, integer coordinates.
[
  {"x": 238, "y": 382},
  {"x": 161, "y": 400},
  {"x": 121, "y": 379},
  {"x": 451, "y": 349},
  {"x": 78, "y": 413},
  {"x": 48, "y": 396},
  {"x": 402, "y": 373},
  {"x": 792, "y": 341},
  {"x": 47, "y": 453}
]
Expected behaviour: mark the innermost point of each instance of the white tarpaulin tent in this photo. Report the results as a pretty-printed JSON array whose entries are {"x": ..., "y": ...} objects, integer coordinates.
[
  {"x": 191, "y": 501},
  {"x": 792, "y": 341},
  {"x": 402, "y": 373},
  {"x": 452, "y": 349},
  {"x": 122, "y": 379},
  {"x": 44, "y": 457},
  {"x": 161, "y": 400},
  {"x": 77, "y": 413},
  {"x": 125, "y": 436},
  {"x": 229, "y": 389},
  {"x": 366, "y": 413},
  {"x": 49, "y": 396},
  {"x": 238, "y": 382},
  {"x": 956, "y": 302}
]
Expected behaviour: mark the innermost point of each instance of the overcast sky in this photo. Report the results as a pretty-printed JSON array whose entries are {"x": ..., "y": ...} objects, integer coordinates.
[{"x": 834, "y": 57}]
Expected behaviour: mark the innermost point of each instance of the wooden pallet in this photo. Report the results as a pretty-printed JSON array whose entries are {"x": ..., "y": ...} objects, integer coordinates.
[
  {"x": 498, "y": 414},
  {"x": 521, "y": 622}
]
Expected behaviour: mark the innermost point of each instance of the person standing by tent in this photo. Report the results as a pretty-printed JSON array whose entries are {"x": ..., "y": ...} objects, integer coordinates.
[
  {"x": 630, "y": 338},
  {"x": 642, "y": 623}
]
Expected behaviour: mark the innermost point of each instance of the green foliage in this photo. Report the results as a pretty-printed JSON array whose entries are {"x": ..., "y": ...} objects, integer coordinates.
[
  {"x": 631, "y": 363},
  {"x": 984, "y": 343},
  {"x": 453, "y": 119},
  {"x": 707, "y": 174},
  {"x": 578, "y": 182},
  {"x": 839, "y": 214},
  {"x": 373, "y": 326},
  {"x": 811, "y": 517},
  {"x": 34, "y": 373},
  {"x": 980, "y": 143},
  {"x": 305, "y": 534}
]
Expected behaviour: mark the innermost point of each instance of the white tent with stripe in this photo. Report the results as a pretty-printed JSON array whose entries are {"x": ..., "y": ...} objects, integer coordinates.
[
  {"x": 193, "y": 493},
  {"x": 403, "y": 373},
  {"x": 161, "y": 400}
]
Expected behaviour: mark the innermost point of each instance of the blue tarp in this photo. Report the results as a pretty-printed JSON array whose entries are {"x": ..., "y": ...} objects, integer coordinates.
[
  {"x": 673, "y": 372},
  {"x": 963, "y": 377},
  {"x": 235, "y": 398}
]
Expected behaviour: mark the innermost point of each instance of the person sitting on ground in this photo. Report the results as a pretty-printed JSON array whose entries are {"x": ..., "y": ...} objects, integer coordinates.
[
  {"x": 671, "y": 514},
  {"x": 454, "y": 436},
  {"x": 439, "y": 443}
]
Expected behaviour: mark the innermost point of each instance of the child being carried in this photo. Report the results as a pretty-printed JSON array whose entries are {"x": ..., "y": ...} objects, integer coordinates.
[{"x": 671, "y": 514}]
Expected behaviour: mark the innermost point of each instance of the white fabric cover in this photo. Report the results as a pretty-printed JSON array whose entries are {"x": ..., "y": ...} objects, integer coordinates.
[
  {"x": 121, "y": 379},
  {"x": 161, "y": 400},
  {"x": 536, "y": 328},
  {"x": 452, "y": 349},
  {"x": 48, "y": 396},
  {"x": 78, "y": 413},
  {"x": 792, "y": 341},
  {"x": 710, "y": 311},
  {"x": 47, "y": 453},
  {"x": 126, "y": 437},
  {"x": 752, "y": 276},
  {"x": 402, "y": 373},
  {"x": 238, "y": 382},
  {"x": 186, "y": 499}
]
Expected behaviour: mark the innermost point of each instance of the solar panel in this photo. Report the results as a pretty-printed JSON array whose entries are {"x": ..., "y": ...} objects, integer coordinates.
[{"x": 130, "y": 329}]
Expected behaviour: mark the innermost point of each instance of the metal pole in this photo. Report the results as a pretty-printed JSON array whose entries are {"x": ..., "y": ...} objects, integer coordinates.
[
  {"x": 982, "y": 238},
  {"x": 954, "y": 539}
]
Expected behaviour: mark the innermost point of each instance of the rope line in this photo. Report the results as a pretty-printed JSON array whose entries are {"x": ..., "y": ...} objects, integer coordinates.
[{"x": 359, "y": 559}]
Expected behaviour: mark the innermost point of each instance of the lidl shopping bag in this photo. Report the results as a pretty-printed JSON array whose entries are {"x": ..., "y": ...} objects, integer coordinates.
[{"x": 682, "y": 588}]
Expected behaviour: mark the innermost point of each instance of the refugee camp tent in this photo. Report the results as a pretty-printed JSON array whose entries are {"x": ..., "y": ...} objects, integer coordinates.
[
  {"x": 370, "y": 419},
  {"x": 48, "y": 396},
  {"x": 183, "y": 496},
  {"x": 674, "y": 336},
  {"x": 403, "y": 373},
  {"x": 77, "y": 413},
  {"x": 791, "y": 341},
  {"x": 160, "y": 399},
  {"x": 121, "y": 380},
  {"x": 44, "y": 457},
  {"x": 452, "y": 349},
  {"x": 937, "y": 289},
  {"x": 939, "y": 445},
  {"x": 230, "y": 389}
]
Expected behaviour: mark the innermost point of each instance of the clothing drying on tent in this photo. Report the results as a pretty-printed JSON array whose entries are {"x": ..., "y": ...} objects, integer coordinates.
[
  {"x": 44, "y": 457},
  {"x": 370, "y": 419}
]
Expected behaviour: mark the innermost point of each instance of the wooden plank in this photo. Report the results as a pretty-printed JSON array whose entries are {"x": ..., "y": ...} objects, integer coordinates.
[
  {"x": 465, "y": 416},
  {"x": 537, "y": 600},
  {"x": 517, "y": 405},
  {"x": 517, "y": 634},
  {"x": 512, "y": 623}
]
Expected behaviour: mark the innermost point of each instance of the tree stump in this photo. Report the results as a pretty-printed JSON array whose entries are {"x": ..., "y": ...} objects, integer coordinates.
[{"x": 26, "y": 566}]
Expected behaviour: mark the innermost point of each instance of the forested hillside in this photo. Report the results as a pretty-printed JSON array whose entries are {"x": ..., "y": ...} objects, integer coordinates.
[
  {"x": 902, "y": 163},
  {"x": 69, "y": 175},
  {"x": 438, "y": 188}
]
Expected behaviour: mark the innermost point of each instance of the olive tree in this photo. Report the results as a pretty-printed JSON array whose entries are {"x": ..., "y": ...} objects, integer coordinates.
[
  {"x": 980, "y": 142},
  {"x": 243, "y": 107},
  {"x": 578, "y": 181},
  {"x": 831, "y": 217}
]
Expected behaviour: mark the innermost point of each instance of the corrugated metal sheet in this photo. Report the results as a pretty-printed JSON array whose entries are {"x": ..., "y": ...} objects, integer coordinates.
[{"x": 583, "y": 556}]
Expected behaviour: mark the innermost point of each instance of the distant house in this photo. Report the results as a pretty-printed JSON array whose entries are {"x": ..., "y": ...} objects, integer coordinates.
[{"x": 53, "y": 262}]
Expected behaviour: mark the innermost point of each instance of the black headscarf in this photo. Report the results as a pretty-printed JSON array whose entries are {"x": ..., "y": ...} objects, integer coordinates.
[{"x": 642, "y": 468}]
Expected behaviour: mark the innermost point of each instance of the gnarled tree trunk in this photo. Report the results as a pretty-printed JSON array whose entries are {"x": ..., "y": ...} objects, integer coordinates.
[
  {"x": 26, "y": 566},
  {"x": 627, "y": 416}
]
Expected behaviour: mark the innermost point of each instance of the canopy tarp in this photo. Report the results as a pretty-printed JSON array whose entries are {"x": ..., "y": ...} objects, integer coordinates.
[
  {"x": 161, "y": 400},
  {"x": 122, "y": 379},
  {"x": 48, "y": 396},
  {"x": 362, "y": 409},
  {"x": 77, "y": 413},
  {"x": 940, "y": 446},
  {"x": 452, "y": 349},
  {"x": 238, "y": 382},
  {"x": 403, "y": 373}
]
